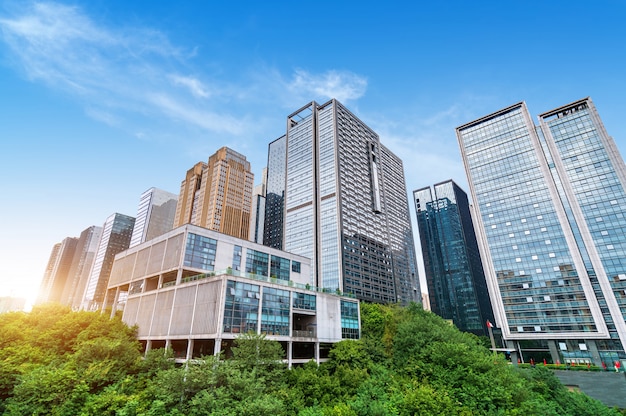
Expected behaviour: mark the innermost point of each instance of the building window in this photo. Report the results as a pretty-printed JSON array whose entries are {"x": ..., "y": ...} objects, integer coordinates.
[
  {"x": 279, "y": 268},
  {"x": 275, "y": 311},
  {"x": 257, "y": 262},
  {"x": 237, "y": 258},
  {"x": 304, "y": 301},
  {"x": 349, "y": 320},
  {"x": 295, "y": 266},
  {"x": 241, "y": 307},
  {"x": 200, "y": 252}
]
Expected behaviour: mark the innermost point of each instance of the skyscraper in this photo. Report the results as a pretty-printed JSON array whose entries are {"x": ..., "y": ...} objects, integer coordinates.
[
  {"x": 454, "y": 272},
  {"x": 218, "y": 195},
  {"x": 337, "y": 196},
  {"x": 257, "y": 215},
  {"x": 57, "y": 271},
  {"x": 549, "y": 203},
  {"x": 84, "y": 256},
  {"x": 155, "y": 215},
  {"x": 275, "y": 193},
  {"x": 116, "y": 233}
]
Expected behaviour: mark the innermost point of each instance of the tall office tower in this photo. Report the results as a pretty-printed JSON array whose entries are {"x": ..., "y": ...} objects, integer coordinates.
[
  {"x": 84, "y": 256},
  {"x": 454, "y": 271},
  {"x": 116, "y": 233},
  {"x": 257, "y": 216},
  {"x": 218, "y": 195},
  {"x": 549, "y": 205},
  {"x": 275, "y": 194},
  {"x": 155, "y": 215},
  {"x": 57, "y": 271},
  {"x": 338, "y": 197}
]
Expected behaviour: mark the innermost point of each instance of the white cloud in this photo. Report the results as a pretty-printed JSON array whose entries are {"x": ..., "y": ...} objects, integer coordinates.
[
  {"x": 195, "y": 86},
  {"x": 113, "y": 71},
  {"x": 133, "y": 78},
  {"x": 342, "y": 85},
  {"x": 200, "y": 118}
]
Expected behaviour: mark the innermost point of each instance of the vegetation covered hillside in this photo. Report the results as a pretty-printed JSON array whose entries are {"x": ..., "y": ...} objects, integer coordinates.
[{"x": 409, "y": 362}]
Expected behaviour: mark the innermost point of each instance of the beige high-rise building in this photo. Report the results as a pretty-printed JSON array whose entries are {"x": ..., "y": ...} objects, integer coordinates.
[{"x": 218, "y": 195}]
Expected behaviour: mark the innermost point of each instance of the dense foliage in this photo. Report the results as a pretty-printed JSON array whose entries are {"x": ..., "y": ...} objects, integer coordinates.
[{"x": 57, "y": 362}]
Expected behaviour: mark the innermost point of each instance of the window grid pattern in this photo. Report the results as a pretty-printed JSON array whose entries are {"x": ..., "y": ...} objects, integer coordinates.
[
  {"x": 299, "y": 196},
  {"x": 257, "y": 262},
  {"x": 328, "y": 216},
  {"x": 349, "y": 320},
  {"x": 304, "y": 301},
  {"x": 598, "y": 191},
  {"x": 367, "y": 258},
  {"x": 241, "y": 308},
  {"x": 275, "y": 194},
  {"x": 452, "y": 262},
  {"x": 237, "y": 250},
  {"x": 200, "y": 252},
  {"x": 540, "y": 288},
  {"x": 275, "y": 311},
  {"x": 279, "y": 268}
]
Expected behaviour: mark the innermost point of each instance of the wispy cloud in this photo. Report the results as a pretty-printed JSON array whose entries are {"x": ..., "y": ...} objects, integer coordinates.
[
  {"x": 342, "y": 85},
  {"x": 126, "y": 76},
  {"x": 196, "y": 87}
]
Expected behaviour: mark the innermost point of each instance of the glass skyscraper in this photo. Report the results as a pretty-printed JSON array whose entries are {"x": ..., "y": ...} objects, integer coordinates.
[
  {"x": 116, "y": 233},
  {"x": 550, "y": 217},
  {"x": 454, "y": 272},
  {"x": 338, "y": 197},
  {"x": 155, "y": 215}
]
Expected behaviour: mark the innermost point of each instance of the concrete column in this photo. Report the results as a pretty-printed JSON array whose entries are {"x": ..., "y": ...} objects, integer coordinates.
[
  {"x": 515, "y": 355},
  {"x": 168, "y": 343},
  {"x": 317, "y": 352},
  {"x": 554, "y": 351},
  {"x": 217, "y": 347},
  {"x": 189, "y": 349},
  {"x": 593, "y": 349},
  {"x": 148, "y": 346},
  {"x": 289, "y": 353},
  {"x": 114, "y": 304}
]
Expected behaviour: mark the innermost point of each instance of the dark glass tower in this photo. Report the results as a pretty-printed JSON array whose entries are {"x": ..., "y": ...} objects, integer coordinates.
[
  {"x": 275, "y": 194},
  {"x": 454, "y": 272},
  {"x": 336, "y": 195}
]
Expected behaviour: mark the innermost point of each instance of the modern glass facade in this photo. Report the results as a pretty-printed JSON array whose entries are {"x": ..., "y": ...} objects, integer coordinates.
[
  {"x": 155, "y": 215},
  {"x": 275, "y": 194},
  {"x": 257, "y": 262},
  {"x": 241, "y": 309},
  {"x": 349, "y": 320},
  {"x": 200, "y": 252},
  {"x": 342, "y": 199},
  {"x": 116, "y": 233},
  {"x": 549, "y": 203},
  {"x": 454, "y": 273},
  {"x": 81, "y": 266},
  {"x": 275, "y": 311},
  {"x": 203, "y": 311},
  {"x": 280, "y": 268},
  {"x": 304, "y": 301}
]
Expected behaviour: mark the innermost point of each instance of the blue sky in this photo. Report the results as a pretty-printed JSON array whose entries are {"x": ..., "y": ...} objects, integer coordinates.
[{"x": 100, "y": 100}]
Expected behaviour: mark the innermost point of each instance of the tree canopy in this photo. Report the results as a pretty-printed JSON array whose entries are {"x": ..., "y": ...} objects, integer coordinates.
[{"x": 408, "y": 361}]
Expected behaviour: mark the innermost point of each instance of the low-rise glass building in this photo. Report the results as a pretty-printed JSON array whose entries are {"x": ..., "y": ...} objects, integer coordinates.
[{"x": 196, "y": 290}]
